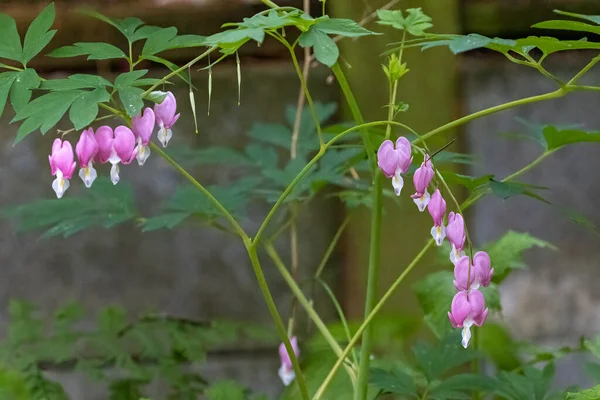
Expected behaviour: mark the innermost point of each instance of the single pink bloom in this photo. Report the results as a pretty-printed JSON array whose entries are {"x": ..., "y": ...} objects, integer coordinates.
[
  {"x": 286, "y": 371},
  {"x": 166, "y": 118},
  {"x": 483, "y": 270},
  {"x": 62, "y": 165},
  {"x": 437, "y": 210},
  {"x": 115, "y": 147},
  {"x": 87, "y": 149},
  {"x": 395, "y": 161},
  {"x": 455, "y": 231},
  {"x": 142, "y": 128},
  {"x": 422, "y": 178},
  {"x": 467, "y": 309}
]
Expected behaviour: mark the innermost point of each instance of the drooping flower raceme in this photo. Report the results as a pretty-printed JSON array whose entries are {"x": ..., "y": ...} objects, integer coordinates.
[
  {"x": 286, "y": 371},
  {"x": 467, "y": 308},
  {"x": 437, "y": 209},
  {"x": 142, "y": 127},
  {"x": 394, "y": 162},
  {"x": 456, "y": 236},
  {"x": 422, "y": 179},
  {"x": 62, "y": 165},
  {"x": 87, "y": 149},
  {"x": 166, "y": 118},
  {"x": 115, "y": 147}
]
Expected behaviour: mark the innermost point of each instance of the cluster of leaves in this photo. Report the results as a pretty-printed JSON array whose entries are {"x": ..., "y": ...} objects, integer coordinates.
[
  {"x": 142, "y": 349},
  {"x": 315, "y": 32}
]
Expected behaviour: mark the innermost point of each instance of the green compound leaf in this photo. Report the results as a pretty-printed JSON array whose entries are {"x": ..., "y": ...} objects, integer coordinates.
[
  {"x": 94, "y": 51},
  {"x": 10, "y": 41},
  {"x": 85, "y": 107},
  {"x": 342, "y": 27},
  {"x": 393, "y": 382},
  {"x": 324, "y": 48},
  {"x": 593, "y": 18},
  {"x": 415, "y": 23},
  {"x": 39, "y": 34},
  {"x": 104, "y": 205},
  {"x": 20, "y": 92}
]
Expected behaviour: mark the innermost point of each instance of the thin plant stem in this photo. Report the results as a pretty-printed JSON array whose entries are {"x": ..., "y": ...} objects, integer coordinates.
[
  {"x": 177, "y": 71},
  {"x": 306, "y": 305},
  {"x": 307, "y": 167},
  {"x": 270, "y": 4},
  {"x": 584, "y": 70},
  {"x": 369, "y": 319},
  {"x": 331, "y": 247},
  {"x": 264, "y": 287},
  {"x": 238, "y": 229}
]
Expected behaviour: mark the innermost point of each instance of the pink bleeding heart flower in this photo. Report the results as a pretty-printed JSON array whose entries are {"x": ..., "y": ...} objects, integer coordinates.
[
  {"x": 286, "y": 371},
  {"x": 422, "y": 178},
  {"x": 394, "y": 162},
  {"x": 142, "y": 127},
  {"x": 87, "y": 148},
  {"x": 115, "y": 147},
  {"x": 437, "y": 209},
  {"x": 62, "y": 165},
  {"x": 483, "y": 271},
  {"x": 166, "y": 118},
  {"x": 455, "y": 231},
  {"x": 480, "y": 273},
  {"x": 467, "y": 308}
]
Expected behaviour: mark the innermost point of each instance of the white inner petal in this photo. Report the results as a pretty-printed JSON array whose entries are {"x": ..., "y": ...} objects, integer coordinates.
[
  {"x": 466, "y": 336},
  {"x": 397, "y": 183},
  {"x": 287, "y": 376},
  {"x": 142, "y": 154},
  {"x": 164, "y": 135},
  {"x": 60, "y": 184},
  {"x": 438, "y": 233},
  {"x": 88, "y": 175},
  {"x": 114, "y": 174},
  {"x": 422, "y": 201}
]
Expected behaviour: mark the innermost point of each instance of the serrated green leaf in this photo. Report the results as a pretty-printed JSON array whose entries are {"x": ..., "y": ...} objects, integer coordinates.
[
  {"x": 127, "y": 26},
  {"x": 76, "y": 81},
  {"x": 506, "y": 190},
  {"x": 20, "y": 92},
  {"x": 533, "y": 384},
  {"x": 434, "y": 294},
  {"x": 557, "y": 138},
  {"x": 463, "y": 384},
  {"x": 131, "y": 98},
  {"x": 274, "y": 19},
  {"x": 94, "y": 51},
  {"x": 460, "y": 44},
  {"x": 236, "y": 37},
  {"x": 434, "y": 361},
  {"x": 507, "y": 252},
  {"x": 168, "y": 221},
  {"x": 144, "y": 32},
  {"x": 568, "y": 26},
  {"x": 129, "y": 78},
  {"x": 167, "y": 39},
  {"x": 415, "y": 23},
  {"x": 394, "y": 382},
  {"x": 10, "y": 42},
  {"x": 38, "y": 34},
  {"x": 85, "y": 108},
  {"x": 104, "y": 205},
  {"x": 173, "y": 67},
  {"x": 112, "y": 320},
  {"x": 588, "y": 394},
  {"x": 470, "y": 182},
  {"x": 341, "y": 26},
  {"x": 225, "y": 390},
  {"x": 593, "y": 18},
  {"x": 6, "y": 81},
  {"x": 324, "y": 48}
]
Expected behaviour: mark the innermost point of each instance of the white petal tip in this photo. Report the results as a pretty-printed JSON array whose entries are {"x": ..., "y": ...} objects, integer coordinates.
[
  {"x": 60, "y": 186},
  {"x": 286, "y": 376},
  {"x": 142, "y": 155},
  {"x": 466, "y": 337}
]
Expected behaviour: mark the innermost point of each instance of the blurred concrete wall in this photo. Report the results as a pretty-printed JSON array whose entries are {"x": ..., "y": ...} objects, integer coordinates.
[
  {"x": 556, "y": 300},
  {"x": 192, "y": 272}
]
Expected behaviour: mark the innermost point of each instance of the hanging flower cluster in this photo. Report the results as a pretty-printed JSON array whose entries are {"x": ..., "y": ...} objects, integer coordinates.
[
  {"x": 119, "y": 146},
  {"x": 468, "y": 306}
]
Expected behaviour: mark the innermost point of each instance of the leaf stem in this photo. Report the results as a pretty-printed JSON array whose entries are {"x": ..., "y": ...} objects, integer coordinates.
[
  {"x": 306, "y": 304},
  {"x": 238, "y": 229},
  {"x": 264, "y": 287},
  {"x": 270, "y": 4},
  {"x": 584, "y": 70}
]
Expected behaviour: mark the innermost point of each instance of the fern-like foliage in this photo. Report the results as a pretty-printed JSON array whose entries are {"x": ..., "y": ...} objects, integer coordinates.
[{"x": 142, "y": 349}]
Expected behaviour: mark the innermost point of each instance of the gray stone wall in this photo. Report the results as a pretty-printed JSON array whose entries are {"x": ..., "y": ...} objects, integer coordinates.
[
  {"x": 192, "y": 272},
  {"x": 556, "y": 300}
]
